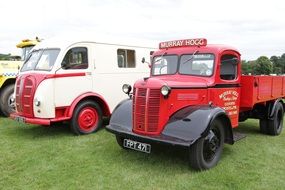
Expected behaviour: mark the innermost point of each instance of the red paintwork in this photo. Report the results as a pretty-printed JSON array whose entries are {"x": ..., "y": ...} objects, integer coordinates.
[
  {"x": 234, "y": 96},
  {"x": 36, "y": 121},
  {"x": 259, "y": 89},
  {"x": 65, "y": 75},
  {"x": 24, "y": 103},
  {"x": 61, "y": 113},
  {"x": 88, "y": 119},
  {"x": 92, "y": 95}
]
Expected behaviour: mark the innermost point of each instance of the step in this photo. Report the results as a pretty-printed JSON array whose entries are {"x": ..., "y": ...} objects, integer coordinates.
[{"x": 238, "y": 136}]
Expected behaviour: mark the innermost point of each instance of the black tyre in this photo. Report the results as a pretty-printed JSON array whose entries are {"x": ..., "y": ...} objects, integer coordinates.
[
  {"x": 206, "y": 152},
  {"x": 276, "y": 124},
  {"x": 263, "y": 126},
  {"x": 6, "y": 104},
  {"x": 87, "y": 118},
  {"x": 120, "y": 141}
]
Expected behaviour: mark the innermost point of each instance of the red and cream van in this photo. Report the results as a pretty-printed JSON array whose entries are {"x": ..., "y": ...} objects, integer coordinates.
[{"x": 77, "y": 80}]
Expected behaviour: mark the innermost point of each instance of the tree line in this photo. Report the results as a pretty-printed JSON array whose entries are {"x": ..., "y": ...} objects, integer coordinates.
[
  {"x": 9, "y": 57},
  {"x": 264, "y": 65}
]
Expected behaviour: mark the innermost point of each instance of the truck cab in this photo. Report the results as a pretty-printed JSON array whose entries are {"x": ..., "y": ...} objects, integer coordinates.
[
  {"x": 190, "y": 99},
  {"x": 8, "y": 73}
]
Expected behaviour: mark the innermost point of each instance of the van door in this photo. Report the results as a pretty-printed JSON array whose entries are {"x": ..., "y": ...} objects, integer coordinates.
[{"x": 75, "y": 76}]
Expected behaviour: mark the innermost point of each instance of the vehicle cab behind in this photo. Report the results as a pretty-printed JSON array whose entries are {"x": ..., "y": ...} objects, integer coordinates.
[{"x": 76, "y": 80}]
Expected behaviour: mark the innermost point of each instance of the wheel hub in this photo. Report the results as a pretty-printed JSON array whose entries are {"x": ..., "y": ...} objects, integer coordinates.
[
  {"x": 11, "y": 102},
  {"x": 211, "y": 145},
  {"x": 88, "y": 118}
]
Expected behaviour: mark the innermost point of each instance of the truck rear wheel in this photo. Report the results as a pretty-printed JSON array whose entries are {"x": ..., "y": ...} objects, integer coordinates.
[
  {"x": 87, "y": 118},
  {"x": 263, "y": 125},
  {"x": 6, "y": 104},
  {"x": 276, "y": 124},
  {"x": 206, "y": 152}
]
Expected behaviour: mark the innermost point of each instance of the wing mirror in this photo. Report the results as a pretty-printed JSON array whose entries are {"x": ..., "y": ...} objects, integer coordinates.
[{"x": 144, "y": 61}]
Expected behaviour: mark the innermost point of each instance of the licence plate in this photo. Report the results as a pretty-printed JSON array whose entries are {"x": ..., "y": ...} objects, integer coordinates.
[
  {"x": 142, "y": 147},
  {"x": 20, "y": 119}
]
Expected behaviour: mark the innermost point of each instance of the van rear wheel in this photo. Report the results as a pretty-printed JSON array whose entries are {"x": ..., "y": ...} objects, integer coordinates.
[{"x": 87, "y": 118}]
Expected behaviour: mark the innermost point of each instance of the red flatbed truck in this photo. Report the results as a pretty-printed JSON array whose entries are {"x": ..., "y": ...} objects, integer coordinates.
[{"x": 194, "y": 97}]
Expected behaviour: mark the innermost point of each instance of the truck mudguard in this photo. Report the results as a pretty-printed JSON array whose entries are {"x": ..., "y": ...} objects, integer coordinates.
[
  {"x": 193, "y": 122},
  {"x": 188, "y": 124},
  {"x": 273, "y": 107},
  {"x": 122, "y": 114}
]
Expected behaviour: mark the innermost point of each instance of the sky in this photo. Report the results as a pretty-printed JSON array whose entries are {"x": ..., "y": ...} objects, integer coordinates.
[{"x": 255, "y": 28}]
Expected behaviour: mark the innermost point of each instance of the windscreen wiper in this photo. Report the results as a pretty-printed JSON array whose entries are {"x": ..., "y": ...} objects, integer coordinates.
[{"x": 192, "y": 56}]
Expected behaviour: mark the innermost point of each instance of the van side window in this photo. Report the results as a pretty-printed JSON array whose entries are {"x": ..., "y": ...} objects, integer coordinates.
[
  {"x": 228, "y": 67},
  {"x": 76, "y": 58},
  {"x": 126, "y": 58}
]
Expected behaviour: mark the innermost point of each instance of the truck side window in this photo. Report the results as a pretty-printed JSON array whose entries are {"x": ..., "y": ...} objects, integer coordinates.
[
  {"x": 76, "y": 58},
  {"x": 228, "y": 67},
  {"x": 126, "y": 58}
]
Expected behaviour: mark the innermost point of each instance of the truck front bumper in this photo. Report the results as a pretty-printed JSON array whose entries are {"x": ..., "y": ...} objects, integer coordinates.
[
  {"x": 37, "y": 121},
  {"x": 127, "y": 133}
]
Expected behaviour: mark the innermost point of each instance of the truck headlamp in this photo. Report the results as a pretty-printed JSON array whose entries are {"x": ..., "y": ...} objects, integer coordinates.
[
  {"x": 126, "y": 88},
  {"x": 165, "y": 90}
]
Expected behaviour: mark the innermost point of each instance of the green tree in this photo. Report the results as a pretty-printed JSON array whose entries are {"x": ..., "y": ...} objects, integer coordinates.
[
  {"x": 263, "y": 66},
  {"x": 246, "y": 67}
]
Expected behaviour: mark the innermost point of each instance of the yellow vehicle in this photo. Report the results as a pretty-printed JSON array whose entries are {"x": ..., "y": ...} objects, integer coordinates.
[{"x": 8, "y": 73}]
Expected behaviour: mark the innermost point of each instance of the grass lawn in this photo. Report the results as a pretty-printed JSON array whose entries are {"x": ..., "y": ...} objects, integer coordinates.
[{"x": 33, "y": 157}]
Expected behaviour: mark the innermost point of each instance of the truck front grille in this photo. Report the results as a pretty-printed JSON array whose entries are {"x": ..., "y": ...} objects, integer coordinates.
[
  {"x": 146, "y": 104},
  {"x": 24, "y": 96}
]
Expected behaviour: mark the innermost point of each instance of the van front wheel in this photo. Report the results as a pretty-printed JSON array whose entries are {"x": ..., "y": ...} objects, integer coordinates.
[{"x": 87, "y": 118}]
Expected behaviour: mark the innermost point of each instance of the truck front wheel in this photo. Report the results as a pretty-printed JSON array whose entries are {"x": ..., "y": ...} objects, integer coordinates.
[
  {"x": 6, "y": 104},
  {"x": 276, "y": 124},
  {"x": 206, "y": 152},
  {"x": 87, "y": 118},
  {"x": 120, "y": 141}
]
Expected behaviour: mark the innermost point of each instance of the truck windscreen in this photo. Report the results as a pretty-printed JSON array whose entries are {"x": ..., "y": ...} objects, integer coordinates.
[
  {"x": 42, "y": 60},
  {"x": 198, "y": 64}
]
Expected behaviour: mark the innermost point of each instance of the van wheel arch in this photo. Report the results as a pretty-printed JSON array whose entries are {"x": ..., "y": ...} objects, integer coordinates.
[{"x": 91, "y": 97}]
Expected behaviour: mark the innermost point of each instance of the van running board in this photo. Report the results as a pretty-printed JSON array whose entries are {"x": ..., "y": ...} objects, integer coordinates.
[{"x": 238, "y": 136}]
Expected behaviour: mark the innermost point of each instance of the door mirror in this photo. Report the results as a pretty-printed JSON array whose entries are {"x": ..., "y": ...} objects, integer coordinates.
[{"x": 144, "y": 61}]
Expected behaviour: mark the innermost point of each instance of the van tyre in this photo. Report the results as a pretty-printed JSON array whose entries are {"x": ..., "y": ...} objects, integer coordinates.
[
  {"x": 6, "y": 104},
  {"x": 206, "y": 152},
  {"x": 87, "y": 118},
  {"x": 276, "y": 124}
]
